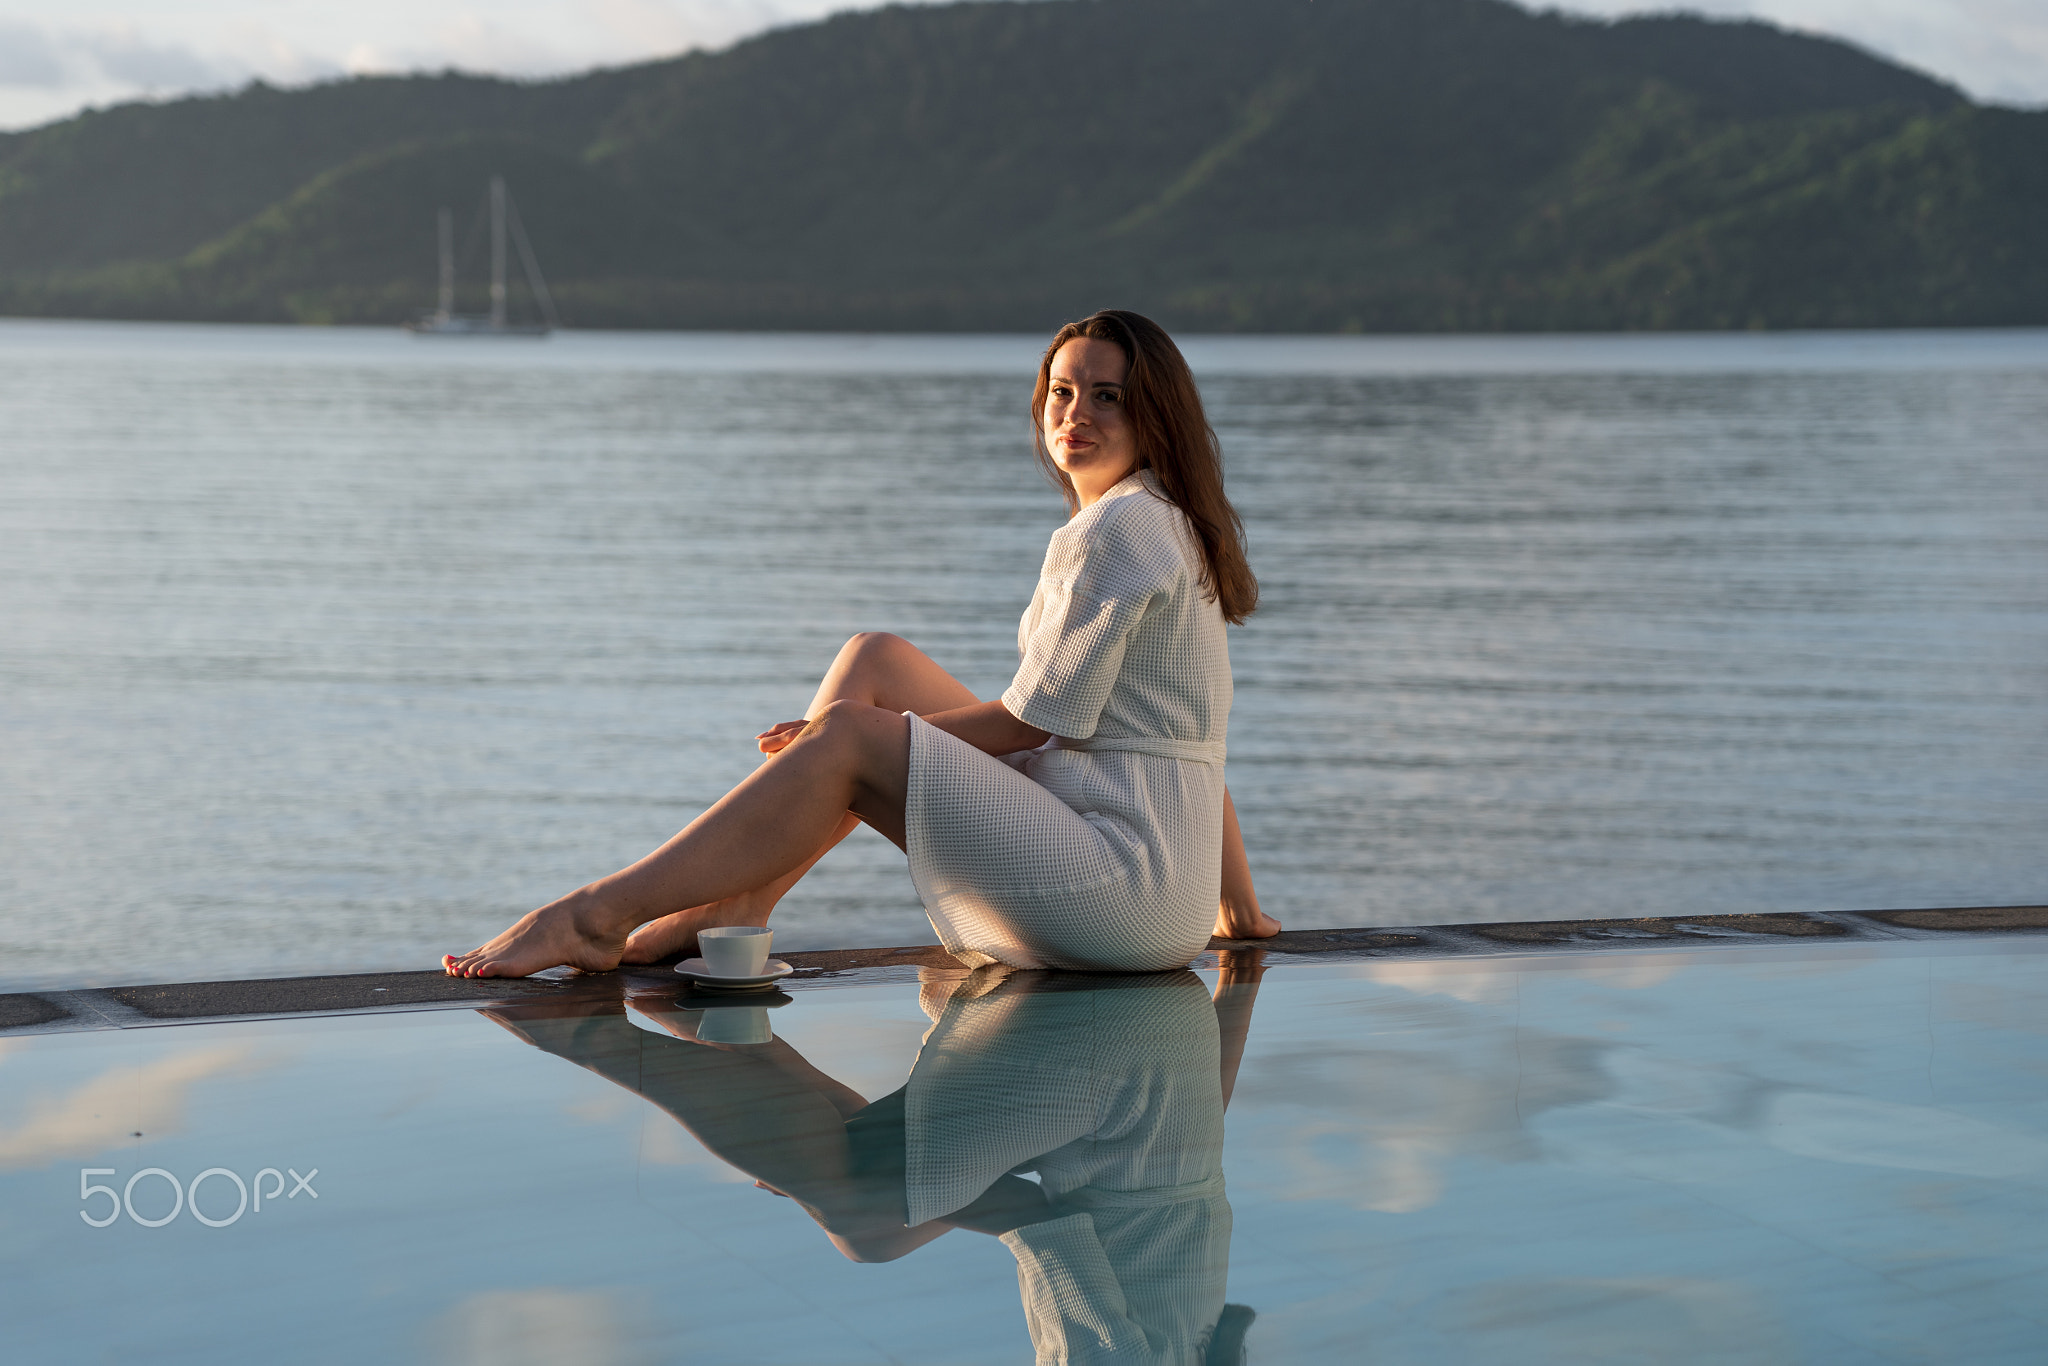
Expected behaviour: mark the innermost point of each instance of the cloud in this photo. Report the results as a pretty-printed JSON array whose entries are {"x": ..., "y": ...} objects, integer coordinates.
[
  {"x": 113, "y": 55},
  {"x": 542, "y": 1324},
  {"x": 124, "y": 55},
  {"x": 1385, "y": 1122},
  {"x": 105, "y": 1111},
  {"x": 29, "y": 58},
  {"x": 1479, "y": 982},
  {"x": 655, "y": 26},
  {"x": 112, "y": 58},
  {"x": 1881, "y": 1133},
  {"x": 468, "y": 42},
  {"x": 259, "y": 50},
  {"x": 666, "y": 1143},
  {"x": 517, "y": 41},
  {"x": 1541, "y": 1319},
  {"x": 669, "y": 26},
  {"x": 1999, "y": 49},
  {"x": 50, "y": 71},
  {"x": 1994, "y": 49}
]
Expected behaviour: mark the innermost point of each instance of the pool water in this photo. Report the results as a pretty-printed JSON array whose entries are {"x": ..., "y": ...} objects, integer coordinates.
[{"x": 1812, "y": 1154}]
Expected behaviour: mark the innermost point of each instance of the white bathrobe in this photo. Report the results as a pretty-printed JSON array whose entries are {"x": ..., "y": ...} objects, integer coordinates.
[
  {"x": 1103, "y": 850},
  {"x": 1113, "y": 1095}
]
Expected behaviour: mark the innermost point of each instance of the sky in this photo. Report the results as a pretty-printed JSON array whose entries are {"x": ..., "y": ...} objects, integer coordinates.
[{"x": 58, "y": 56}]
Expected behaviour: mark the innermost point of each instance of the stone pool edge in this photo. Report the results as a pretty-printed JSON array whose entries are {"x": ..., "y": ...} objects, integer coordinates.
[{"x": 146, "y": 1006}]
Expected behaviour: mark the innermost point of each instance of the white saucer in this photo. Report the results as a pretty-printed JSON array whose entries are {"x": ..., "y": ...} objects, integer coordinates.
[{"x": 698, "y": 971}]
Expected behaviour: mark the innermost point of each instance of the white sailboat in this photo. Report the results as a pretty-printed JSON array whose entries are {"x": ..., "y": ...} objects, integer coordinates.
[{"x": 444, "y": 321}]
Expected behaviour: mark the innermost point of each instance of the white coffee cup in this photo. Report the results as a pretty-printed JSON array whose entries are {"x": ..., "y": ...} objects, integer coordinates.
[
  {"x": 735, "y": 1024},
  {"x": 735, "y": 950}
]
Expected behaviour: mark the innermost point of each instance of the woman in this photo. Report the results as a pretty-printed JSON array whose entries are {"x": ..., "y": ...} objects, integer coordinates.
[
  {"x": 1109, "y": 1089},
  {"x": 1080, "y": 821}
]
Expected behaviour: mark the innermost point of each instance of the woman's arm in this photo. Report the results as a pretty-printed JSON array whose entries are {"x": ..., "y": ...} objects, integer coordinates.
[
  {"x": 1238, "y": 916},
  {"x": 990, "y": 728},
  {"x": 1237, "y": 987}
]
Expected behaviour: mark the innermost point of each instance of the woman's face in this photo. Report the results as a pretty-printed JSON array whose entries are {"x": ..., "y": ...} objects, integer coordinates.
[{"x": 1084, "y": 422}]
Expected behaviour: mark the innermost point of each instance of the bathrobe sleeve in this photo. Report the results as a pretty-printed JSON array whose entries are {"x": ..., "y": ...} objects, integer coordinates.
[{"x": 1101, "y": 575}]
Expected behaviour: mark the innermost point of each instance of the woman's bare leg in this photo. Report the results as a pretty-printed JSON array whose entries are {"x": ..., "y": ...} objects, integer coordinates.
[
  {"x": 677, "y": 932},
  {"x": 1238, "y": 916},
  {"x": 763, "y": 1108},
  {"x": 888, "y": 671},
  {"x": 874, "y": 668},
  {"x": 851, "y": 757},
  {"x": 758, "y": 1107}
]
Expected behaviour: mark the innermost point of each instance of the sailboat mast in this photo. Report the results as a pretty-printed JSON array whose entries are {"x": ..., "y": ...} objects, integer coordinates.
[
  {"x": 447, "y": 226},
  {"x": 497, "y": 251},
  {"x": 534, "y": 281}
]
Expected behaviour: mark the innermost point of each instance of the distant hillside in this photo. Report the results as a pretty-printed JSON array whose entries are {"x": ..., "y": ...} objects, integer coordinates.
[{"x": 1225, "y": 164}]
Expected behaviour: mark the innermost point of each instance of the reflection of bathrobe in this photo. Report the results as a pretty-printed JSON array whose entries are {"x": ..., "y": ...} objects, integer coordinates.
[
  {"x": 1104, "y": 850},
  {"x": 1111, "y": 1091}
]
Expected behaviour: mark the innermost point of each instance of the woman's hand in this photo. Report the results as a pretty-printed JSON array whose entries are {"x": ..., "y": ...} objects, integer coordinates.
[
  {"x": 1244, "y": 922},
  {"x": 988, "y": 726},
  {"x": 779, "y": 736},
  {"x": 1239, "y": 968}
]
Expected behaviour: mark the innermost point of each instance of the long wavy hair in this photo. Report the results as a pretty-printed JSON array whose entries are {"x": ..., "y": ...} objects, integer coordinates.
[{"x": 1175, "y": 442}]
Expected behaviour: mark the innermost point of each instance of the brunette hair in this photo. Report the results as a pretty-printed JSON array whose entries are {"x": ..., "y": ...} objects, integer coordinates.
[{"x": 1175, "y": 442}]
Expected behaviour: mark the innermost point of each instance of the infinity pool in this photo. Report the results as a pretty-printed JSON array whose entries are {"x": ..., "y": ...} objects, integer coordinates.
[{"x": 1822, "y": 1153}]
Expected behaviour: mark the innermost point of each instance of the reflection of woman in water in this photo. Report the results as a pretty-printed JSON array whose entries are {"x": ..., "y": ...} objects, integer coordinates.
[
  {"x": 1109, "y": 1089},
  {"x": 1080, "y": 821}
]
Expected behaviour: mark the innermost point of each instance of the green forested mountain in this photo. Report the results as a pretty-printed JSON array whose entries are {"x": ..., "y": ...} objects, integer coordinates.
[{"x": 1224, "y": 164}]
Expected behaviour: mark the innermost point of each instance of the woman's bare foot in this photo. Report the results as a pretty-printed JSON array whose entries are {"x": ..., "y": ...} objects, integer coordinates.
[
  {"x": 1244, "y": 922},
  {"x": 661, "y": 1011},
  {"x": 677, "y": 933},
  {"x": 578, "y": 931},
  {"x": 666, "y": 935},
  {"x": 547, "y": 1017}
]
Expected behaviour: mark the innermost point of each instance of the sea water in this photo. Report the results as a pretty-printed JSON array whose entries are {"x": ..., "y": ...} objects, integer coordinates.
[{"x": 331, "y": 649}]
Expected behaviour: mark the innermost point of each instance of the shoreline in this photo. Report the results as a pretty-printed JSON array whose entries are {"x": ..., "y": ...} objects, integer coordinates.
[{"x": 57, "y": 1011}]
